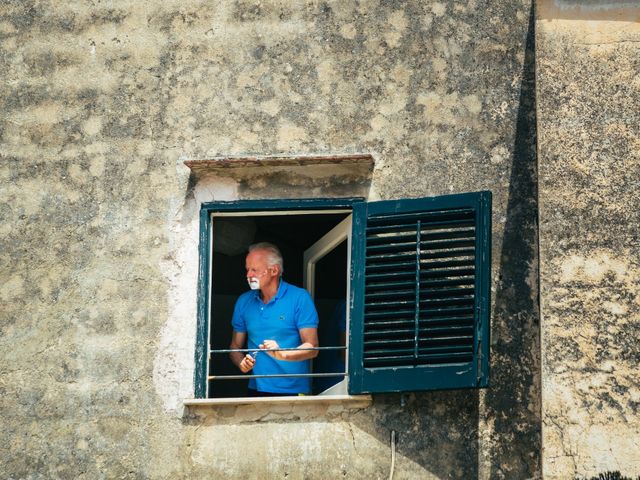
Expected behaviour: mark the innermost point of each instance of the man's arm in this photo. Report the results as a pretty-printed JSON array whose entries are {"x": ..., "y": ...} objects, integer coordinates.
[
  {"x": 244, "y": 362},
  {"x": 309, "y": 337}
]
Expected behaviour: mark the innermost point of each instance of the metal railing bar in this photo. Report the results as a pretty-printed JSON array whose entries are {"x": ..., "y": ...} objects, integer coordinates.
[
  {"x": 281, "y": 375},
  {"x": 229, "y": 350}
]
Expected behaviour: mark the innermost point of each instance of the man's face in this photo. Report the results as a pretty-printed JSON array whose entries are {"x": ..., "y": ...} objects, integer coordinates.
[{"x": 259, "y": 273}]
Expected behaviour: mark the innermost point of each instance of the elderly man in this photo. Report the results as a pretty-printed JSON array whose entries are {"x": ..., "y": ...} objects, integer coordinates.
[{"x": 273, "y": 314}]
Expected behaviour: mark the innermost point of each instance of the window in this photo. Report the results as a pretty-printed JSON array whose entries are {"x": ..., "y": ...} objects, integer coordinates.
[{"x": 412, "y": 276}]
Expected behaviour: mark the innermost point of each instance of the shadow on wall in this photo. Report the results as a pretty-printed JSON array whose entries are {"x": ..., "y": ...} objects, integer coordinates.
[
  {"x": 436, "y": 430},
  {"x": 513, "y": 402}
]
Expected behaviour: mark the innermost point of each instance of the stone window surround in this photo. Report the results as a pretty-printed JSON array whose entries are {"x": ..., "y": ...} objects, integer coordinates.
[{"x": 362, "y": 164}]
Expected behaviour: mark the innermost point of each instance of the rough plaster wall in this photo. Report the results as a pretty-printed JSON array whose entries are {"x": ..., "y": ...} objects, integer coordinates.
[
  {"x": 589, "y": 131},
  {"x": 102, "y": 101}
]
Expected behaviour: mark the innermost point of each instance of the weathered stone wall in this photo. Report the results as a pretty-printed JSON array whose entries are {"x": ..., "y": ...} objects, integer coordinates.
[
  {"x": 101, "y": 103},
  {"x": 589, "y": 154}
]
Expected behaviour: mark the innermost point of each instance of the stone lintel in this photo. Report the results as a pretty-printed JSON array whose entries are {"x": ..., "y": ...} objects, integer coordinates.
[{"x": 204, "y": 166}]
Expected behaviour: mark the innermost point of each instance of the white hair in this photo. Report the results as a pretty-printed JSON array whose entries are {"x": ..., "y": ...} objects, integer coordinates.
[{"x": 274, "y": 257}]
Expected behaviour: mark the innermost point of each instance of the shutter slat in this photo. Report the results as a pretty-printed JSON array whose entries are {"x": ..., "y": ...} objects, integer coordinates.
[
  {"x": 389, "y": 285},
  {"x": 453, "y": 339},
  {"x": 451, "y": 357},
  {"x": 447, "y": 292},
  {"x": 446, "y": 350},
  {"x": 426, "y": 330},
  {"x": 387, "y": 323},
  {"x": 447, "y": 329},
  {"x": 443, "y": 245},
  {"x": 423, "y": 359},
  {"x": 461, "y": 341},
  {"x": 386, "y": 230},
  {"x": 434, "y": 274},
  {"x": 387, "y": 294},
  {"x": 445, "y": 235},
  {"x": 389, "y": 343},
  {"x": 388, "y": 352},
  {"x": 427, "y": 302},
  {"x": 435, "y": 284},
  {"x": 434, "y": 217},
  {"x": 397, "y": 313},
  {"x": 430, "y": 292},
  {"x": 436, "y": 312},
  {"x": 467, "y": 252},
  {"x": 376, "y": 333},
  {"x": 462, "y": 272},
  {"x": 424, "y": 255},
  {"x": 394, "y": 246},
  {"x": 397, "y": 303},
  {"x": 446, "y": 302},
  {"x": 380, "y": 243},
  {"x": 447, "y": 264},
  {"x": 391, "y": 257},
  {"x": 389, "y": 276},
  {"x": 387, "y": 361},
  {"x": 448, "y": 320},
  {"x": 391, "y": 266},
  {"x": 449, "y": 253}
]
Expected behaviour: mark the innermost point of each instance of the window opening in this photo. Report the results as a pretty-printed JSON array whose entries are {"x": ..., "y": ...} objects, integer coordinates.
[{"x": 294, "y": 233}]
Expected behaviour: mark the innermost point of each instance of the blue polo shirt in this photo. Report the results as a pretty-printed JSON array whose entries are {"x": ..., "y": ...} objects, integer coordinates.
[{"x": 290, "y": 310}]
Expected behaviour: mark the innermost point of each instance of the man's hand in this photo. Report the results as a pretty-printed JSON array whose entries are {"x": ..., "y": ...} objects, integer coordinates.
[
  {"x": 309, "y": 337},
  {"x": 244, "y": 362},
  {"x": 247, "y": 363},
  {"x": 272, "y": 345}
]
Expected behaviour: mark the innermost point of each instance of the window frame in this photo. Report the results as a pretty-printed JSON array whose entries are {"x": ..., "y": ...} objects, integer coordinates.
[{"x": 206, "y": 265}]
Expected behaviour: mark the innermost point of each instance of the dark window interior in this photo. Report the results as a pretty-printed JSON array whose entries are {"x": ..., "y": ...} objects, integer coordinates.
[{"x": 293, "y": 234}]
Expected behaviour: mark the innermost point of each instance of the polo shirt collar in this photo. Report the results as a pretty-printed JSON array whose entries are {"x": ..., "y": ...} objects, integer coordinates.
[{"x": 282, "y": 288}]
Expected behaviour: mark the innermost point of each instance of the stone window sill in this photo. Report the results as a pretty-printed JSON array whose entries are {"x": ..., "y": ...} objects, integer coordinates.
[{"x": 345, "y": 401}]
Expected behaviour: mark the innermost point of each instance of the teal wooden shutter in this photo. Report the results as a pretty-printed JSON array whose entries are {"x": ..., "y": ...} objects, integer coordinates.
[{"x": 420, "y": 294}]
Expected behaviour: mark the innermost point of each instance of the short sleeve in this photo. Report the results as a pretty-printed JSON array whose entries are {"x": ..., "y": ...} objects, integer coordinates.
[
  {"x": 237, "y": 321},
  {"x": 306, "y": 314}
]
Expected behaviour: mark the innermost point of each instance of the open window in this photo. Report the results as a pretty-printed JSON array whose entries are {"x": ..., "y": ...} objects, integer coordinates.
[
  {"x": 401, "y": 288},
  {"x": 295, "y": 232}
]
